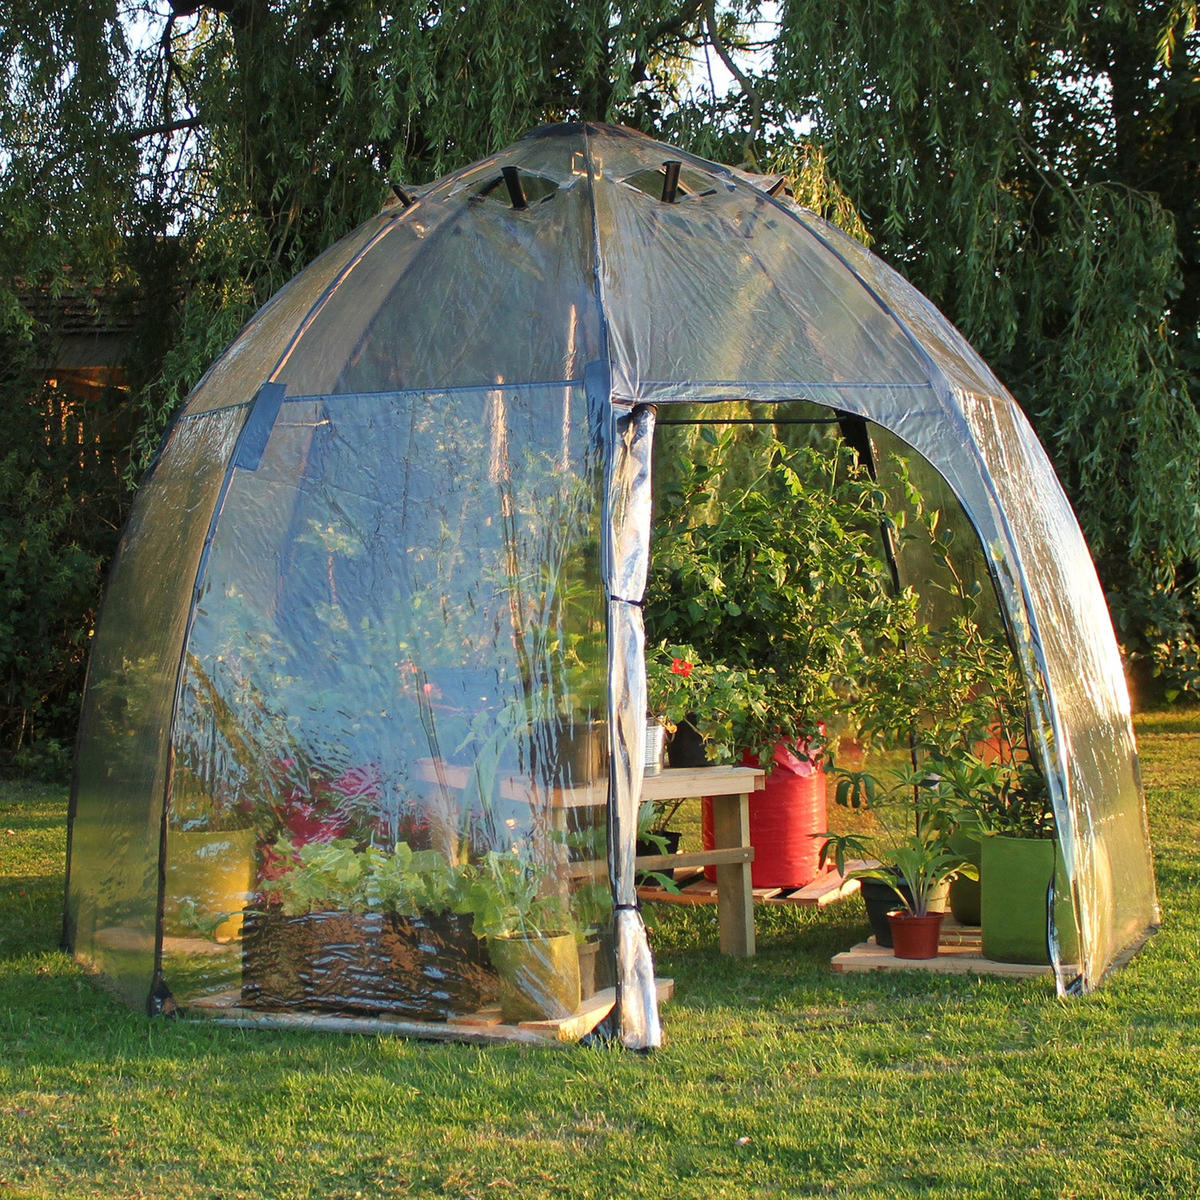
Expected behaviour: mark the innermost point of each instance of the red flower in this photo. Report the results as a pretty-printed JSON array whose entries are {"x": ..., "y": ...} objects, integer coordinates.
[{"x": 680, "y": 667}]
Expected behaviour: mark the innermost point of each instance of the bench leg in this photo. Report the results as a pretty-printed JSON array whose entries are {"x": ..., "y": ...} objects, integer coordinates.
[{"x": 735, "y": 897}]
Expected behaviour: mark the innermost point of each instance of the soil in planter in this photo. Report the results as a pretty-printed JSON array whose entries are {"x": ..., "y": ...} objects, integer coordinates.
[{"x": 431, "y": 967}]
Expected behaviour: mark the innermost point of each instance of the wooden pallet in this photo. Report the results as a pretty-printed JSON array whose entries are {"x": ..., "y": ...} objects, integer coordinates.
[
  {"x": 960, "y": 952},
  {"x": 695, "y": 889},
  {"x": 485, "y": 1026}
]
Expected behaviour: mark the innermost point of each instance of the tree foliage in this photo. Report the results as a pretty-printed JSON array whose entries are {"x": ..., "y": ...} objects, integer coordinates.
[{"x": 1032, "y": 166}]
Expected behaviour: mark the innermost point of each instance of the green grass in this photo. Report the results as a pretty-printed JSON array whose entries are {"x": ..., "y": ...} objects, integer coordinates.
[{"x": 779, "y": 1078}]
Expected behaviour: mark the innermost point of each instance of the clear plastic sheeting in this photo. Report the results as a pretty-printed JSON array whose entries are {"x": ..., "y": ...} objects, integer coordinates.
[
  {"x": 395, "y": 680},
  {"x": 1107, "y": 846},
  {"x": 124, "y": 734},
  {"x": 253, "y": 356},
  {"x": 364, "y": 718},
  {"x": 777, "y": 308}
]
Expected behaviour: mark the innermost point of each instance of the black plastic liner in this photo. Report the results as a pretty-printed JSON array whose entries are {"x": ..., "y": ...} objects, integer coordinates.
[{"x": 430, "y": 967}]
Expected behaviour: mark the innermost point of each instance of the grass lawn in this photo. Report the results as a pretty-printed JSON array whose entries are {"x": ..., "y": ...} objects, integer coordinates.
[{"x": 779, "y": 1078}]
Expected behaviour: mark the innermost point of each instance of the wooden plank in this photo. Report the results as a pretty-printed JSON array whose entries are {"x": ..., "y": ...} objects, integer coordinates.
[
  {"x": 485, "y": 1017},
  {"x": 580, "y": 1023},
  {"x": 951, "y": 960},
  {"x": 481, "y": 1028},
  {"x": 694, "y": 858},
  {"x": 596, "y": 869},
  {"x": 735, "y": 899},
  {"x": 523, "y": 789},
  {"x": 701, "y": 892},
  {"x": 683, "y": 783},
  {"x": 825, "y": 889},
  {"x": 244, "y": 1018},
  {"x": 591, "y": 1013}
]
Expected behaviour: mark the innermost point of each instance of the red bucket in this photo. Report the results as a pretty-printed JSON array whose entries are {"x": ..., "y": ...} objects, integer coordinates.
[{"x": 783, "y": 820}]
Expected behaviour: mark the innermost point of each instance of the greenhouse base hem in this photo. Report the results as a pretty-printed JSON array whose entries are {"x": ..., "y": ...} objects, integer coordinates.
[{"x": 482, "y": 1027}]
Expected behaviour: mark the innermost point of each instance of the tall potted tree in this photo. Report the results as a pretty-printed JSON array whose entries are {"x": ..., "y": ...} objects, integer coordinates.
[{"x": 781, "y": 569}]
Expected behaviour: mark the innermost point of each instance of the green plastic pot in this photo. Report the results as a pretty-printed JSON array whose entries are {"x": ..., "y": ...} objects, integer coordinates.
[
  {"x": 539, "y": 976},
  {"x": 964, "y": 893},
  {"x": 1014, "y": 877}
]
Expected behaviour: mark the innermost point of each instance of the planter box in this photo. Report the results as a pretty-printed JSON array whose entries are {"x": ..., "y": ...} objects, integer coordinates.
[{"x": 431, "y": 967}]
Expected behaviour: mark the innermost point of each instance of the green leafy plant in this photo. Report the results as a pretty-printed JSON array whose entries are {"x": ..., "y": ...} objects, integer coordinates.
[
  {"x": 340, "y": 876},
  {"x": 943, "y": 684},
  {"x": 510, "y": 896},
  {"x": 915, "y": 817},
  {"x": 724, "y": 704},
  {"x": 1008, "y": 797},
  {"x": 784, "y": 570}
]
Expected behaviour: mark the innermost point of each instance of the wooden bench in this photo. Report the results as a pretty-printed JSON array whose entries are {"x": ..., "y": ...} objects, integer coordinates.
[{"x": 730, "y": 789}]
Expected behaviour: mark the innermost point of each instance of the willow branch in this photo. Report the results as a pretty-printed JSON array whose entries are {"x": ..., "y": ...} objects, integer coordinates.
[{"x": 749, "y": 158}]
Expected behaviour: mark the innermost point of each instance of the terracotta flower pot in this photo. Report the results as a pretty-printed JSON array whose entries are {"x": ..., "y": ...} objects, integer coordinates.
[{"x": 915, "y": 937}]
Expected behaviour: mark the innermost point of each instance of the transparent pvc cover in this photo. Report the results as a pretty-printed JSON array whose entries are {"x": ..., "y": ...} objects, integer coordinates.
[
  {"x": 123, "y": 758},
  {"x": 392, "y": 713},
  {"x": 401, "y": 720}
]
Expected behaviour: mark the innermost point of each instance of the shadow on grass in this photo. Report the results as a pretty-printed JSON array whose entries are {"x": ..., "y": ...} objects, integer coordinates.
[
  {"x": 30, "y": 915},
  {"x": 1181, "y": 719}
]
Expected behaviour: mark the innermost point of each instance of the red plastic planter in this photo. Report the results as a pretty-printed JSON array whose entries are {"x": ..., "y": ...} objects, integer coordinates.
[
  {"x": 915, "y": 937},
  {"x": 783, "y": 819}
]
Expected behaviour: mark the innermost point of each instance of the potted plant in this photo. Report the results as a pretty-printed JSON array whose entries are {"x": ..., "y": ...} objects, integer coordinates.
[
  {"x": 707, "y": 708},
  {"x": 1021, "y": 871},
  {"x": 915, "y": 819},
  {"x": 531, "y": 935},
  {"x": 768, "y": 556},
  {"x": 353, "y": 928}
]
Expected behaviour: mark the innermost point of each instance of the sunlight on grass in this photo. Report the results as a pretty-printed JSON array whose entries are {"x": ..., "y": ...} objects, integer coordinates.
[{"x": 779, "y": 1078}]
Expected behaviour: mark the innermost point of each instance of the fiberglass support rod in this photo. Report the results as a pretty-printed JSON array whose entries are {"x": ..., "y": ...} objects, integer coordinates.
[{"x": 750, "y": 421}]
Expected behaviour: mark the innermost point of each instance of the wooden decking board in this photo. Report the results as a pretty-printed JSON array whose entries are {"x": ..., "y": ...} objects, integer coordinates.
[
  {"x": 825, "y": 889},
  {"x": 960, "y": 952}
]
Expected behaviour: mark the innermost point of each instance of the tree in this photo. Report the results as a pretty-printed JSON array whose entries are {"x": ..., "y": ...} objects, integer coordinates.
[
  {"x": 1034, "y": 168},
  {"x": 187, "y": 157},
  {"x": 1031, "y": 166}
]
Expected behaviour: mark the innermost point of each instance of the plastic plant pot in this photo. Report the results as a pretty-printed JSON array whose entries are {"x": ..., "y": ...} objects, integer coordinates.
[
  {"x": 1014, "y": 879},
  {"x": 915, "y": 937},
  {"x": 539, "y": 976}
]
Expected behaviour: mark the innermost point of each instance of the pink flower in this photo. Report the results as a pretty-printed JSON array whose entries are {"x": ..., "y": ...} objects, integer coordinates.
[
  {"x": 308, "y": 823},
  {"x": 358, "y": 783}
]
